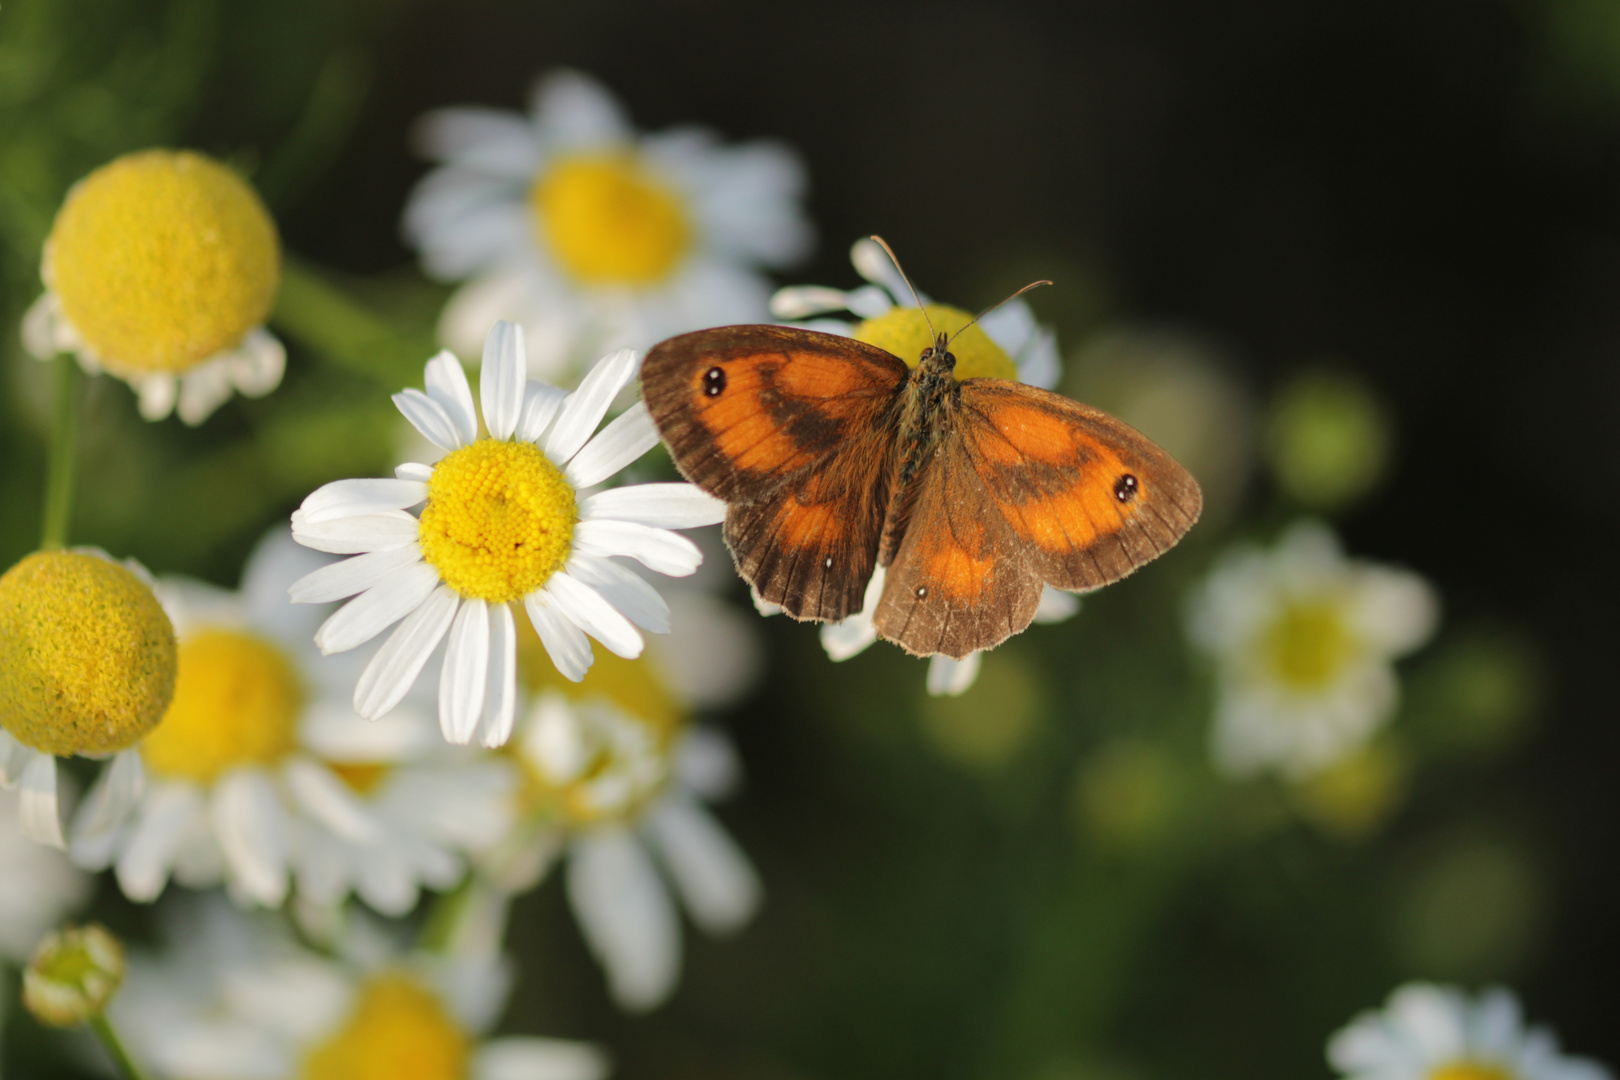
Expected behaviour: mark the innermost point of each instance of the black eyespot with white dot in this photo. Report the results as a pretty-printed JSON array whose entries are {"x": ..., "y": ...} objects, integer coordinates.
[
  {"x": 922, "y": 591},
  {"x": 1125, "y": 488},
  {"x": 714, "y": 382},
  {"x": 827, "y": 562}
]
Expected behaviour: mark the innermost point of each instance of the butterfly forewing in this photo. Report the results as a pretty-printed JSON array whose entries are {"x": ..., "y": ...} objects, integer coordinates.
[
  {"x": 794, "y": 429},
  {"x": 1089, "y": 498}
]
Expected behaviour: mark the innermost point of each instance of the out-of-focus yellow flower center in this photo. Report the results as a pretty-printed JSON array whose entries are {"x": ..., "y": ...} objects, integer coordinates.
[
  {"x": 362, "y": 778},
  {"x": 499, "y": 520},
  {"x": 608, "y": 221},
  {"x": 632, "y": 685},
  {"x": 161, "y": 259},
  {"x": 1470, "y": 1070},
  {"x": 397, "y": 1031},
  {"x": 87, "y": 656},
  {"x": 236, "y": 703},
  {"x": 1306, "y": 646},
  {"x": 904, "y": 332}
]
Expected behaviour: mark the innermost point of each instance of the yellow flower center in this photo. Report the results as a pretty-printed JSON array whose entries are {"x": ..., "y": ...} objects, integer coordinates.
[
  {"x": 1307, "y": 644},
  {"x": 632, "y": 685},
  {"x": 397, "y": 1031},
  {"x": 162, "y": 259},
  {"x": 236, "y": 702},
  {"x": 904, "y": 332},
  {"x": 362, "y": 778},
  {"x": 608, "y": 221},
  {"x": 499, "y": 520},
  {"x": 87, "y": 656},
  {"x": 1470, "y": 1070}
]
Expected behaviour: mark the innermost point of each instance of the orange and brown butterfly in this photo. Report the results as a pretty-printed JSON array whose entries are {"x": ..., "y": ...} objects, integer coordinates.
[{"x": 836, "y": 457}]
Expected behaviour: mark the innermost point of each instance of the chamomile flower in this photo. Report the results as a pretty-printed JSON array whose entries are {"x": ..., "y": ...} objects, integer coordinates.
[
  {"x": 1438, "y": 1033},
  {"x": 1304, "y": 641},
  {"x": 261, "y": 776},
  {"x": 591, "y": 235},
  {"x": 161, "y": 268},
  {"x": 39, "y": 887},
  {"x": 1006, "y": 344},
  {"x": 505, "y": 522},
  {"x": 231, "y": 998},
  {"x": 617, "y": 778},
  {"x": 87, "y": 666}
]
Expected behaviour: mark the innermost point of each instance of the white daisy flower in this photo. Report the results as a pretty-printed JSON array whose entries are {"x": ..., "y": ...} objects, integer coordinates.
[
  {"x": 1437, "y": 1033},
  {"x": 38, "y": 886},
  {"x": 261, "y": 776},
  {"x": 591, "y": 235},
  {"x": 1006, "y": 344},
  {"x": 231, "y": 998},
  {"x": 161, "y": 269},
  {"x": 618, "y": 778},
  {"x": 1304, "y": 642},
  {"x": 87, "y": 667},
  {"x": 505, "y": 522}
]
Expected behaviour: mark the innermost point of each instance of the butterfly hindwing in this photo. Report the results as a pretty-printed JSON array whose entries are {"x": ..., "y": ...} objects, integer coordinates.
[
  {"x": 1088, "y": 498},
  {"x": 793, "y": 428}
]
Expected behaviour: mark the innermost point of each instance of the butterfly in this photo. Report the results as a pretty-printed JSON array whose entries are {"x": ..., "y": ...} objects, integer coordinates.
[{"x": 835, "y": 458}]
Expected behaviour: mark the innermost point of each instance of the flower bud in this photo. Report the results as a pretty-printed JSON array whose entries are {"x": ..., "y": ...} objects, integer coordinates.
[{"x": 73, "y": 975}]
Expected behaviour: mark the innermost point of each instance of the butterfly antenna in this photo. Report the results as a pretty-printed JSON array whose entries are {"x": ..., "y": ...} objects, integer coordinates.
[
  {"x": 992, "y": 307},
  {"x": 884, "y": 244}
]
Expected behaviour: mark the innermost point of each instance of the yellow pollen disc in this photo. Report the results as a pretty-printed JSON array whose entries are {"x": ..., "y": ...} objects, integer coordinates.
[
  {"x": 1470, "y": 1070},
  {"x": 397, "y": 1031},
  {"x": 1307, "y": 644},
  {"x": 499, "y": 520},
  {"x": 362, "y": 778},
  {"x": 608, "y": 221},
  {"x": 87, "y": 656},
  {"x": 904, "y": 332},
  {"x": 161, "y": 259},
  {"x": 632, "y": 685},
  {"x": 236, "y": 703}
]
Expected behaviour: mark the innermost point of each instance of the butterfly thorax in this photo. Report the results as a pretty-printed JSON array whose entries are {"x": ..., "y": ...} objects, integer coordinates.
[{"x": 924, "y": 419}]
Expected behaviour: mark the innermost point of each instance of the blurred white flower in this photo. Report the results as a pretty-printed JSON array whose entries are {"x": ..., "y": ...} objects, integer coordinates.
[
  {"x": 232, "y": 998},
  {"x": 261, "y": 775},
  {"x": 1304, "y": 642},
  {"x": 1437, "y": 1033},
  {"x": 506, "y": 520},
  {"x": 618, "y": 779},
  {"x": 593, "y": 236},
  {"x": 38, "y": 886}
]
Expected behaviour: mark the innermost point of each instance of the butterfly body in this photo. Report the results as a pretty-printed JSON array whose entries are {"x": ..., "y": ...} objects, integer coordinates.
[{"x": 836, "y": 458}]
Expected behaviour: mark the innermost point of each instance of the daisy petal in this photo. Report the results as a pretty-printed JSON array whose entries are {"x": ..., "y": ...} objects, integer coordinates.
[
  {"x": 802, "y": 301},
  {"x": 376, "y": 609},
  {"x": 155, "y": 841},
  {"x": 952, "y": 678},
  {"x": 391, "y": 672},
  {"x": 591, "y": 612},
  {"x": 665, "y": 506},
  {"x": 630, "y": 435},
  {"x": 585, "y": 407},
  {"x": 501, "y": 379},
  {"x": 624, "y": 589},
  {"x": 528, "y": 1057},
  {"x": 37, "y": 807},
  {"x": 428, "y": 418},
  {"x": 565, "y": 643},
  {"x": 350, "y": 536},
  {"x": 446, "y": 384},
  {"x": 714, "y": 877},
  {"x": 330, "y": 801},
  {"x": 500, "y": 699},
  {"x": 351, "y": 576},
  {"x": 466, "y": 672},
  {"x": 353, "y": 498},
  {"x": 626, "y": 916},
  {"x": 117, "y": 791},
  {"x": 412, "y": 470},
  {"x": 253, "y": 831},
  {"x": 656, "y": 549},
  {"x": 540, "y": 403},
  {"x": 13, "y": 757}
]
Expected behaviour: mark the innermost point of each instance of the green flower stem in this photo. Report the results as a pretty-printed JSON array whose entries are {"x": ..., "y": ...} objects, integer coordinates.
[
  {"x": 321, "y": 315},
  {"x": 64, "y": 455},
  {"x": 115, "y": 1046}
]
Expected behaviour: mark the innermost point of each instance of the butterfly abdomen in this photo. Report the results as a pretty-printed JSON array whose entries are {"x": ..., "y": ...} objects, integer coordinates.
[{"x": 929, "y": 403}]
